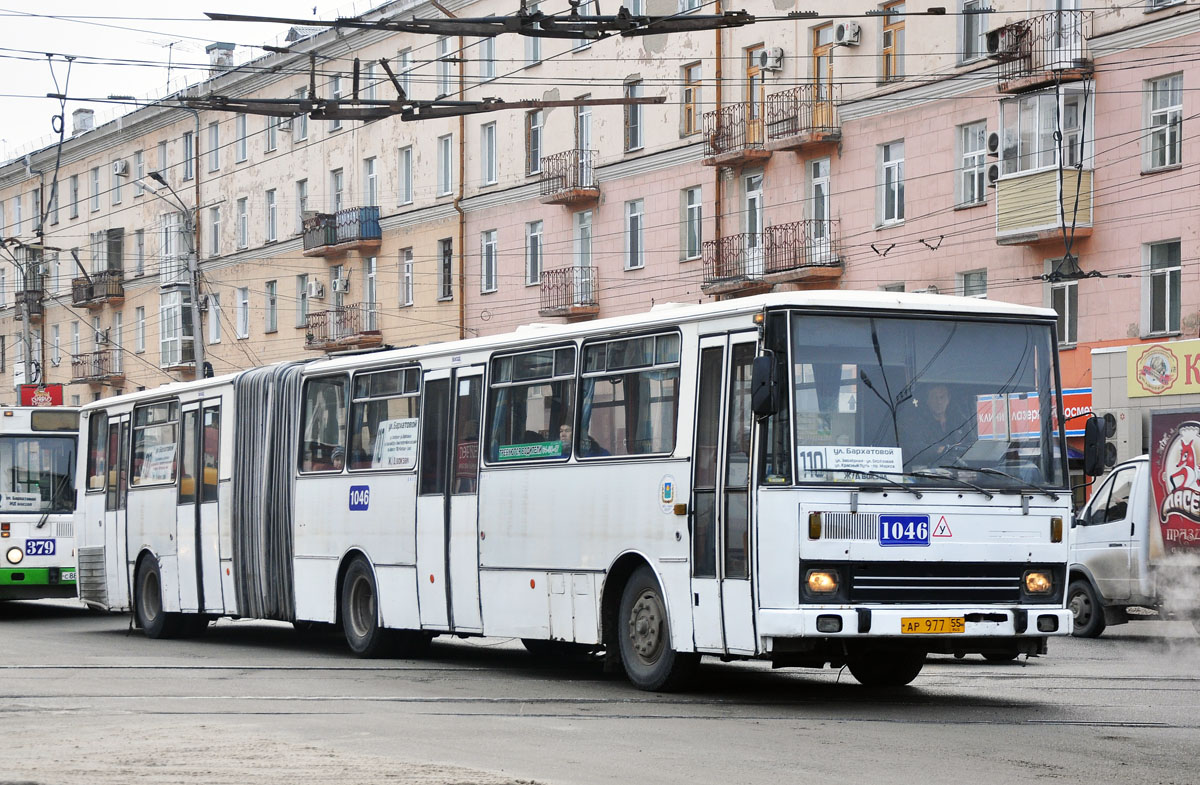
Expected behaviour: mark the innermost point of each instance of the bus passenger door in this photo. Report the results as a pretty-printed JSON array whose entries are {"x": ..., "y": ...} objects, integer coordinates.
[
  {"x": 187, "y": 513},
  {"x": 722, "y": 603},
  {"x": 208, "y": 546},
  {"x": 117, "y": 561},
  {"x": 447, "y": 504}
]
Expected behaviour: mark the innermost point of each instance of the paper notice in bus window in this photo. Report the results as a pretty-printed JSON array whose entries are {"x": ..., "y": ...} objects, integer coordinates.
[
  {"x": 396, "y": 444},
  {"x": 159, "y": 464},
  {"x": 20, "y": 502},
  {"x": 517, "y": 452},
  {"x": 826, "y": 462}
]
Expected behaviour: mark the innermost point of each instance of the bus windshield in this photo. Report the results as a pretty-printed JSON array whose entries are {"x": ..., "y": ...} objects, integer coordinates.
[
  {"x": 37, "y": 474},
  {"x": 924, "y": 401}
]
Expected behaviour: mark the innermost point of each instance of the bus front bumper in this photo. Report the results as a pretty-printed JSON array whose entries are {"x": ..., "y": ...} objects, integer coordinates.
[{"x": 914, "y": 622}]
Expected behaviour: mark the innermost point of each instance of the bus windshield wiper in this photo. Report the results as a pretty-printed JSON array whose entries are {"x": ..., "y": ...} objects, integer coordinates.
[
  {"x": 952, "y": 478},
  {"x": 879, "y": 475},
  {"x": 1025, "y": 486}
]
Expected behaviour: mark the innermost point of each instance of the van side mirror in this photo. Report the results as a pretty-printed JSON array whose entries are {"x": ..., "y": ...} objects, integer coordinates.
[
  {"x": 1094, "y": 443},
  {"x": 764, "y": 392}
]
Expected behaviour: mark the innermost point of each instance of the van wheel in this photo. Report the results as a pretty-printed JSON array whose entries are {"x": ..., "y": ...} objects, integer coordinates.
[
  {"x": 1086, "y": 611},
  {"x": 881, "y": 667},
  {"x": 148, "y": 608},
  {"x": 644, "y": 637}
]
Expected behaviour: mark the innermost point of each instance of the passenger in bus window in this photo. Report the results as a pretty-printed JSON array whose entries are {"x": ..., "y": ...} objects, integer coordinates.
[{"x": 564, "y": 436}]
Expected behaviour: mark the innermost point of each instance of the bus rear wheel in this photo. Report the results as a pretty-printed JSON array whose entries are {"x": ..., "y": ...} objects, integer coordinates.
[
  {"x": 360, "y": 619},
  {"x": 151, "y": 617},
  {"x": 880, "y": 667},
  {"x": 644, "y": 637}
]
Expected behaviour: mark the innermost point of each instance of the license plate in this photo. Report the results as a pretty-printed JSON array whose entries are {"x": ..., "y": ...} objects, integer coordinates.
[
  {"x": 66, "y": 575},
  {"x": 39, "y": 547},
  {"x": 932, "y": 625},
  {"x": 903, "y": 530}
]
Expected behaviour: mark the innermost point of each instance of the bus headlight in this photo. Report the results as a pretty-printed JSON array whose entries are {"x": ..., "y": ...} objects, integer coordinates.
[
  {"x": 1037, "y": 582},
  {"x": 821, "y": 582},
  {"x": 15, "y": 555}
]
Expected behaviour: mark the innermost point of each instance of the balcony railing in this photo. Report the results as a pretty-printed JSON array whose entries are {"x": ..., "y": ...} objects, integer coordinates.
[
  {"x": 102, "y": 287},
  {"x": 347, "y": 326},
  {"x": 98, "y": 366},
  {"x": 734, "y": 134},
  {"x": 570, "y": 177},
  {"x": 352, "y": 229},
  {"x": 807, "y": 113},
  {"x": 569, "y": 292},
  {"x": 793, "y": 252},
  {"x": 1033, "y": 52}
]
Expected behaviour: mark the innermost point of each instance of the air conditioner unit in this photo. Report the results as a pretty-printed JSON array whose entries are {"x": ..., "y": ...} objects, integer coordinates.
[
  {"x": 285, "y": 123},
  {"x": 341, "y": 285},
  {"x": 993, "y": 174},
  {"x": 316, "y": 291},
  {"x": 847, "y": 34},
  {"x": 1003, "y": 42},
  {"x": 993, "y": 143},
  {"x": 771, "y": 59},
  {"x": 120, "y": 168}
]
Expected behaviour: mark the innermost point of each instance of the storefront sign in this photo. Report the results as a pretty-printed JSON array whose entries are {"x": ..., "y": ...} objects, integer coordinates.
[
  {"x": 1163, "y": 369},
  {"x": 1175, "y": 477},
  {"x": 35, "y": 395}
]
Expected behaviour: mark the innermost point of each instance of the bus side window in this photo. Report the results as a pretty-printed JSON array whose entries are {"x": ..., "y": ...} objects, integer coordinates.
[
  {"x": 210, "y": 463},
  {"x": 323, "y": 447},
  {"x": 96, "y": 464}
]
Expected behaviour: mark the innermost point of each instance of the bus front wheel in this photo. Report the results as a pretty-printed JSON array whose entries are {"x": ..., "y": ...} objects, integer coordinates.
[
  {"x": 644, "y": 635},
  {"x": 151, "y": 617},
  {"x": 878, "y": 667}
]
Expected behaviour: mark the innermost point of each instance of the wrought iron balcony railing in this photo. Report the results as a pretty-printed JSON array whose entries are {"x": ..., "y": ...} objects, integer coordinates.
[
  {"x": 569, "y": 177},
  {"x": 97, "y": 366},
  {"x": 569, "y": 291},
  {"x": 1034, "y": 50},
  {"x": 805, "y": 111},
  {"x": 782, "y": 249},
  {"x": 735, "y": 132},
  {"x": 102, "y": 287},
  {"x": 355, "y": 228},
  {"x": 346, "y": 326}
]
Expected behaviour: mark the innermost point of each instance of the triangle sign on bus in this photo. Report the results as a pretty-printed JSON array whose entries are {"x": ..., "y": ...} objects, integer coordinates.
[{"x": 942, "y": 529}]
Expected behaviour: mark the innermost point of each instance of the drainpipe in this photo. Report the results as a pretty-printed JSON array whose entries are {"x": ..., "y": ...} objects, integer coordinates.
[{"x": 717, "y": 188}]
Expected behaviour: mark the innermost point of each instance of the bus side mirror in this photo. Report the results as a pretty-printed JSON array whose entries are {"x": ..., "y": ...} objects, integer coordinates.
[
  {"x": 764, "y": 395},
  {"x": 1094, "y": 443}
]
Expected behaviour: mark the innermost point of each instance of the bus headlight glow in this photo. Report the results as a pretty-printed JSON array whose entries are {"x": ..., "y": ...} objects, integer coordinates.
[
  {"x": 15, "y": 555},
  {"x": 821, "y": 581},
  {"x": 1037, "y": 582}
]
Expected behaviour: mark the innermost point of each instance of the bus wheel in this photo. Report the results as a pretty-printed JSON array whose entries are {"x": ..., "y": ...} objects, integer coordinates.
[
  {"x": 151, "y": 617},
  {"x": 360, "y": 612},
  {"x": 644, "y": 635},
  {"x": 1086, "y": 612},
  {"x": 877, "y": 667}
]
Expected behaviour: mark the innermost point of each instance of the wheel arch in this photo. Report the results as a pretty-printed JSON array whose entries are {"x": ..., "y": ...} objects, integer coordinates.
[
  {"x": 1079, "y": 571},
  {"x": 347, "y": 558},
  {"x": 615, "y": 579}
]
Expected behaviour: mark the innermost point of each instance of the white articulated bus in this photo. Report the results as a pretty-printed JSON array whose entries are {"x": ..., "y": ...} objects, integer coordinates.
[{"x": 844, "y": 478}]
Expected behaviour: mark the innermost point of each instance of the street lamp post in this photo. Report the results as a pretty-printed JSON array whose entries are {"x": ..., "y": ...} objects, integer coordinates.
[{"x": 192, "y": 268}]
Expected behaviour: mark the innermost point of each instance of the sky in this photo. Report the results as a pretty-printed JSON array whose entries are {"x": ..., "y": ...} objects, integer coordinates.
[{"x": 121, "y": 48}]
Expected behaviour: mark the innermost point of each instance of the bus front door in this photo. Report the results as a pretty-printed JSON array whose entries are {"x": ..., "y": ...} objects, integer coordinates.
[
  {"x": 118, "y": 562},
  {"x": 723, "y": 605},
  {"x": 447, "y": 504}
]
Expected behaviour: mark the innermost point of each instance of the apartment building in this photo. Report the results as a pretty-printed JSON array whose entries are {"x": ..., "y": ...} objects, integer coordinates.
[{"x": 1036, "y": 156}]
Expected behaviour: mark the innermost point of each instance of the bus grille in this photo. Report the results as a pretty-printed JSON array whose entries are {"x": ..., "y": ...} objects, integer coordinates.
[
  {"x": 93, "y": 586},
  {"x": 849, "y": 526},
  {"x": 941, "y": 582},
  {"x": 64, "y": 529}
]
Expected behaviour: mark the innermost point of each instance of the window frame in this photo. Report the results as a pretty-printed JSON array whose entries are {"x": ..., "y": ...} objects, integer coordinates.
[
  {"x": 1168, "y": 154},
  {"x": 1173, "y": 278},
  {"x": 343, "y": 426},
  {"x": 137, "y": 434},
  {"x": 635, "y": 234},
  {"x": 972, "y": 163},
  {"x": 408, "y": 371},
  {"x": 895, "y": 166},
  {"x": 488, "y": 277},
  {"x": 497, "y": 382},
  {"x": 533, "y": 252}
]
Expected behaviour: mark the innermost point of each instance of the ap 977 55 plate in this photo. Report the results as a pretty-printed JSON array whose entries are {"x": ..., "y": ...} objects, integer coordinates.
[{"x": 896, "y": 530}]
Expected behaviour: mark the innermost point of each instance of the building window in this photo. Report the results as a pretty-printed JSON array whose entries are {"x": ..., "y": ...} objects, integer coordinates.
[
  {"x": 1028, "y": 128},
  {"x": 633, "y": 118},
  {"x": 973, "y": 26},
  {"x": 239, "y": 129},
  {"x": 370, "y": 183},
  {"x": 336, "y": 195},
  {"x": 586, "y": 8},
  {"x": 690, "y": 119},
  {"x": 533, "y": 45},
  {"x": 139, "y": 173},
  {"x": 756, "y": 94},
  {"x": 189, "y": 155},
  {"x": 214, "y": 147},
  {"x": 1064, "y": 299},
  {"x": 301, "y": 300},
  {"x": 369, "y": 81},
  {"x": 533, "y": 141},
  {"x": 1165, "y": 265},
  {"x": 74, "y": 196},
  {"x": 404, "y": 63},
  {"x": 214, "y": 235},
  {"x": 583, "y": 240},
  {"x": 689, "y": 5},
  {"x": 487, "y": 261},
  {"x": 973, "y": 284},
  {"x": 487, "y": 58},
  {"x": 443, "y": 67},
  {"x": 972, "y": 146},
  {"x": 301, "y": 204},
  {"x": 164, "y": 167},
  {"x": 693, "y": 214},
  {"x": 272, "y": 134},
  {"x": 893, "y": 41},
  {"x": 139, "y": 330},
  {"x": 243, "y": 223},
  {"x": 55, "y": 348},
  {"x": 335, "y": 90},
  {"x": 139, "y": 252},
  {"x": 406, "y": 277},
  {"x": 214, "y": 318},
  {"x": 891, "y": 181},
  {"x": 404, "y": 174},
  {"x": 445, "y": 269},
  {"x": 272, "y": 217},
  {"x": 272, "y": 306},
  {"x": 300, "y": 121},
  {"x": 370, "y": 293},
  {"x": 634, "y": 235},
  {"x": 114, "y": 190},
  {"x": 445, "y": 165},
  {"x": 533, "y": 253},
  {"x": 487, "y": 158},
  {"x": 242, "y": 312},
  {"x": 95, "y": 196},
  {"x": 1165, "y": 141},
  {"x": 174, "y": 329}
]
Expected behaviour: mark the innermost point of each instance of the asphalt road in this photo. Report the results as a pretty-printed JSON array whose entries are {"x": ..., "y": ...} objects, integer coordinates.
[{"x": 85, "y": 700}]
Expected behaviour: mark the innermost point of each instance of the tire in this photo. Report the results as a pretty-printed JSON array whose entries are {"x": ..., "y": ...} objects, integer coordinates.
[
  {"x": 148, "y": 604},
  {"x": 644, "y": 637},
  {"x": 1086, "y": 611},
  {"x": 881, "y": 667},
  {"x": 360, "y": 613}
]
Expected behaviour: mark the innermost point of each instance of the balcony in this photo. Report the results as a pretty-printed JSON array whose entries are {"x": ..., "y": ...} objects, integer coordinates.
[
  {"x": 802, "y": 116},
  {"x": 1040, "y": 51},
  {"x": 1034, "y": 207},
  {"x": 735, "y": 135},
  {"x": 352, "y": 229},
  {"x": 570, "y": 178},
  {"x": 97, "y": 367},
  {"x": 802, "y": 252},
  {"x": 101, "y": 288},
  {"x": 31, "y": 299},
  {"x": 569, "y": 292},
  {"x": 343, "y": 327}
]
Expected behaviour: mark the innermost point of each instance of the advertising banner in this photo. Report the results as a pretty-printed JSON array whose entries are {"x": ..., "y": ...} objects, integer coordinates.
[
  {"x": 35, "y": 395},
  {"x": 1175, "y": 477},
  {"x": 1162, "y": 369}
]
